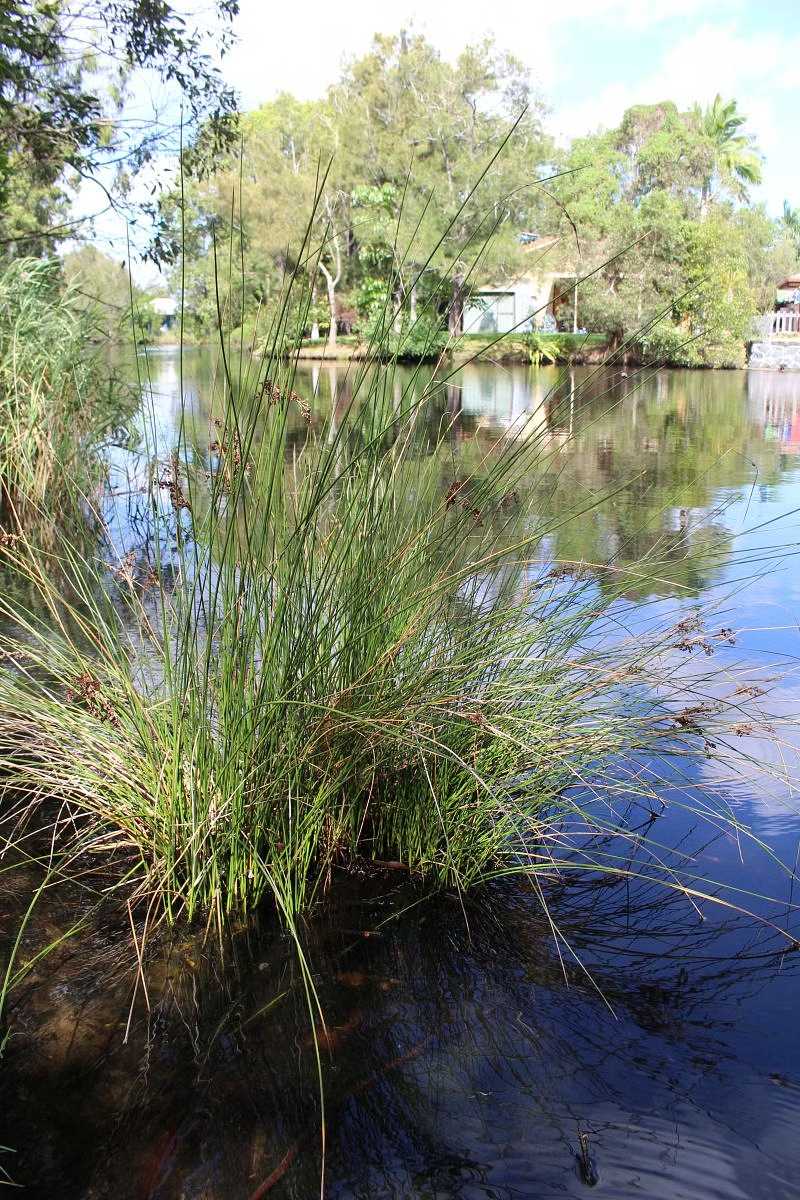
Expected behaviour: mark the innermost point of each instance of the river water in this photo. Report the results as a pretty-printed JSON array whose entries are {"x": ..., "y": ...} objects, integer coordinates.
[{"x": 463, "y": 1056}]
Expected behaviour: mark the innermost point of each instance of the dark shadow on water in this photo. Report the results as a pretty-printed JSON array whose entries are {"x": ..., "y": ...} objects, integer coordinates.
[{"x": 462, "y": 1056}]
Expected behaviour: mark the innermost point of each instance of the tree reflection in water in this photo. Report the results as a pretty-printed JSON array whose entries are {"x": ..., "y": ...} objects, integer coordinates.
[
  {"x": 465, "y": 1047},
  {"x": 462, "y": 1052}
]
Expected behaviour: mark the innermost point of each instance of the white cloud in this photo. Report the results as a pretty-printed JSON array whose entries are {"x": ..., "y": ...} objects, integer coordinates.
[
  {"x": 759, "y": 70},
  {"x": 720, "y": 58},
  {"x": 600, "y": 111},
  {"x": 301, "y": 48}
]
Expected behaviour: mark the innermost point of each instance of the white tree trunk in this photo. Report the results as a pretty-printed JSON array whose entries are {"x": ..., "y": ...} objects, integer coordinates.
[
  {"x": 332, "y": 280},
  {"x": 314, "y": 321},
  {"x": 330, "y": 284}
]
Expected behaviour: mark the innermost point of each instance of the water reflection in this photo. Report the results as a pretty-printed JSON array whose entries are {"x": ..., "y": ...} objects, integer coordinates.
[
  {"x": 462, "y": 1054},
  {"x": 773, "y": 401},
  {"x": 630, "y": 470}
]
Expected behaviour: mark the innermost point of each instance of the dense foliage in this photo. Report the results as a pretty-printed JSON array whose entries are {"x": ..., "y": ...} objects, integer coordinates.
[
  {"x": 677, "y": 261},
  {"x": 407, "y": 157},
  {"x": 57, "y": 403},
  {"x": 67, "y": 70},
  {"x": 655, "y": 212},
  {"x": 102, "y": 287}
]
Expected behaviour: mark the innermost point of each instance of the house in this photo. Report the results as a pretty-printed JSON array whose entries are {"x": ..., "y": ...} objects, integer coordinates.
[
  {"x": 522, "y": 302},
  {"x": 165, "y": 307},
  {"x": 788, "y": 294},
  {"x": 780, "y": 326}
]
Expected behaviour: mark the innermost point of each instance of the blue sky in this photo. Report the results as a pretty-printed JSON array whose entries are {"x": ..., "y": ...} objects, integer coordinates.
[{"x": 590, "y": 58}]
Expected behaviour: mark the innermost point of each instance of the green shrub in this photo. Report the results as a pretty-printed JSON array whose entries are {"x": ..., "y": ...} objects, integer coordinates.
[
  {"x": 546, "y": 348},
  {"x": 677, "y": 346},
  {"x": 346, "y": 656},
  {"x": 395, "y": 336}
]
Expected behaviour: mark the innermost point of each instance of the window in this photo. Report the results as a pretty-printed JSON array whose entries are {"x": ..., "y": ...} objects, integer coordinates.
[{"x": 489, "y": 312}]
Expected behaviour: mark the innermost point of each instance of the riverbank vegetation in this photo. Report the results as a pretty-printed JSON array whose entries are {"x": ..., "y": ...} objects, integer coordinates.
[
  {"x": 335, "y": 652},
  {"x": 653, "y": 218},
  {"x": 59, "y": 403},
  {"x": 678, "y": 259},
  {"x": 103, "y": 289}
]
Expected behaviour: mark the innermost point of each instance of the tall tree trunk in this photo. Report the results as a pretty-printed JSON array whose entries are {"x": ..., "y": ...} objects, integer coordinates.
[
  {"x": 331, "y": 280},
  {"x": 705, "y": 198},
  {"x": 412, "y": 304},
  {"x": 314, "y": 321},
  {"x": 455, "y": 316},
  {"x": 330, "y": 284}
]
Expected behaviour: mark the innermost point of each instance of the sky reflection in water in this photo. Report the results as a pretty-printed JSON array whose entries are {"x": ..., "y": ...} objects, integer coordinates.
[{"x": 462, "y": 1057}]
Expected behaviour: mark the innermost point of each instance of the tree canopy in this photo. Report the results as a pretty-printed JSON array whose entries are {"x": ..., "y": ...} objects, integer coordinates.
[
  {"x": 103, "y": 287},
  {"x": 409, "y": 169},
  {"x": 427, "y": 174},
  {"x": 735, "y": 161},
  {"x": 412, "y": 182},
  {"x": 68, "y": 69},
  {"x": 678, "y": 262}
]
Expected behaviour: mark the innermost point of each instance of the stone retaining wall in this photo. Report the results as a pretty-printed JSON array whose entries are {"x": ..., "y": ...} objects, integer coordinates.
[{"x": 776, "y": 355}]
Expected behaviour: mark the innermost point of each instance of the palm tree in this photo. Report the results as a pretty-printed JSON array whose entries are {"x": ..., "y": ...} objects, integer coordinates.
[
  {"x": 735, "y": 160},
  {"x": 791, "y": 223}
]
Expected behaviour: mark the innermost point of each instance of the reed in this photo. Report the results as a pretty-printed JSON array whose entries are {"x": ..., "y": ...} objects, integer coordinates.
[
  {"x": 347, "y": 654},
  {"x": 333, "y": 651},
  {"x": 58, "y": 403}
]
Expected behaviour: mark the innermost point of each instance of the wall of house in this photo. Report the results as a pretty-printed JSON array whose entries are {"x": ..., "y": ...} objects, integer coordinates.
[
  {"x": 490, "y": 312},
  {"x": 515, "y": 307}
]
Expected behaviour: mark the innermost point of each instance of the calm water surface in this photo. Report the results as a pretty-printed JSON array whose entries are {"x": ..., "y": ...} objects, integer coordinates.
[{"x": 463, "y": 1055}]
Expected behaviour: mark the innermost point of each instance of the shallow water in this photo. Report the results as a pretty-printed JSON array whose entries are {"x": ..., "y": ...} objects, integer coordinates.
[{"x": 464, "y": 1052}]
